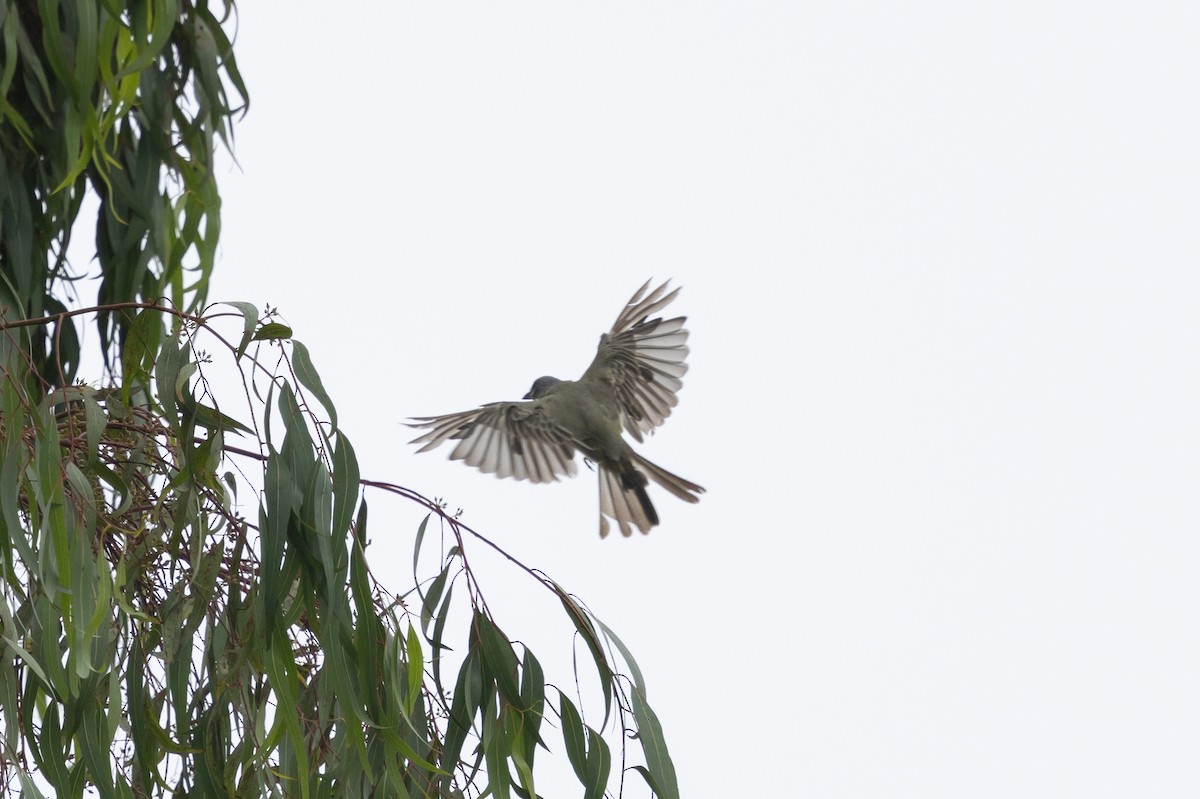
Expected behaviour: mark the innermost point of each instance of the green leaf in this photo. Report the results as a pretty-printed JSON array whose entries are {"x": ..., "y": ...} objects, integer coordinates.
[
  {"x": 273, "y": 331},
  {"x": 599, "y": 766},
  {"x": 54, "y": 47},
  {"x": 96, "y": 422},
  {"x": 172, "y": 615},
  {"x": 582, "y": 621},
  {"x": 634, "y": 671},
  {"x": 439, "y": 626},
  {"x": 464, "y": 706},
  {"x": 250, "y": 317},
  {"x": 340, "y": 668},
  {"x": 308, "y": 377},
  {"x": 499, "y": 657},
  {"x": 86, "y": 43},
  {"x": 345, "y": 484},
  {"x": 183, "y": 388},
  {"x": 429, "y": 600},
  {"x": 225, "y": 49},
  {"x": 533, "y": 686},
  {"x": 280, "y": 496},
  {"x": 574, "y": 737},
  {"x": 516, "y": 732},
  {"x": 171, "y": 358},
  {"x": 420, "y": 539},
  {"x": 495, "y": 749},
  {"x": 658, "y": 761},
  {"x": 416, "y": 669},
  {"x": 162, "y": 14},
  {"x": 281, "y": 670},
  {"x": 360, "y": 584},
  {"x": 586, "y": 750},
  {"x": 212, "y": 419},
  {"x": 11, "y": 480},
  {"x": 648, "y": 777},
  {"x": 15, "y": 648},
  {"x": 142, "y": 344}
]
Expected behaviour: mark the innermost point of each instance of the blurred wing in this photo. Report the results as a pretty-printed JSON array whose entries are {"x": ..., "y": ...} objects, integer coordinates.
[
  {"x": 642, "y": 360},
  {"x": 507, "y": 439}
]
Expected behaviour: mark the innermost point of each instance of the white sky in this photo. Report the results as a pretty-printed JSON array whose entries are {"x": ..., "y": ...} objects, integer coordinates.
[{"x": 940, "y": 265}]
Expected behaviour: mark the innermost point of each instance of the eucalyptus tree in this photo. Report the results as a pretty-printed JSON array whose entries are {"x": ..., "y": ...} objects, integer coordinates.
[{"x": 187, "y": 602}]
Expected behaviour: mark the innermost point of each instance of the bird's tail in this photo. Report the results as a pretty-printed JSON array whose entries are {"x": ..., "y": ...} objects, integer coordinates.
[
  {"x": 623, "y": 496},
  {"x": 684, "y": 489}
]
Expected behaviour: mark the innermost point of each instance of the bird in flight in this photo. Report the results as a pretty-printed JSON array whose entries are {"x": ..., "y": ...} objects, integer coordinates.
[{"x": 630, "y": 386}]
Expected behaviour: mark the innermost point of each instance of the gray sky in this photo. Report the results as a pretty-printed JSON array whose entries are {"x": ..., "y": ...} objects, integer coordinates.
[{"x": 940, "y": 267}]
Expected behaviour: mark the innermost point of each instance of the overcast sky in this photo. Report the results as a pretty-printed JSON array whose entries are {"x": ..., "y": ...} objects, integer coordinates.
[{"x": 940, "y": 266}]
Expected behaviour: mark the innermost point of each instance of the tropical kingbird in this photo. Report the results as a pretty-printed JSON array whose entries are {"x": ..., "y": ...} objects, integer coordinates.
[{"x": 631, "y": 384}]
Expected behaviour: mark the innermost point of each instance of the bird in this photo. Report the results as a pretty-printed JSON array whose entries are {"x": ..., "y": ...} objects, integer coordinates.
[{"x": 630, "y": 386}]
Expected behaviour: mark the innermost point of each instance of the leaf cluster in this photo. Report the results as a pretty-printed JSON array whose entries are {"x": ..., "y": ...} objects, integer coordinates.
[
  {"x": 157, "y": 641},
  {"x": 124, "y": 99}
]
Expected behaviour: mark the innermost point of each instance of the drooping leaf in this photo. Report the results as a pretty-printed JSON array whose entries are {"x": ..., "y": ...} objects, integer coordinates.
[
  {"x": 273, "y": 331},
  {"x": 212, "y": 419},
  {"x": 499, "y": 657},
  {"x": 583, "y": 624},
  {"x": 308, "y": 377},
  {"x": 249, "y": 323},
  {"x": 658, "y": 761}
]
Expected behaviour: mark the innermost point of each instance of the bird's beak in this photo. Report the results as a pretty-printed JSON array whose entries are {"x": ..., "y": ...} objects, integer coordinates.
[{"x": 528, "y": 395}]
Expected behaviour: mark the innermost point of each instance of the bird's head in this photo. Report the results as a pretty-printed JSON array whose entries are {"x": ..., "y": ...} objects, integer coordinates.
[{"x": 541, "y": 386}]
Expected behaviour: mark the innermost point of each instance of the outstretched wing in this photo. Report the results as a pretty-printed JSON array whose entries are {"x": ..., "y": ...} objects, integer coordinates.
[
  {"x": 642, "y": 360},
  {"x": 507, "y": 439}
]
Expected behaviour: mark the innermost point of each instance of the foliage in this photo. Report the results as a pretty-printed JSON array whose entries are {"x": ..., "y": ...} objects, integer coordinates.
[
  {"x": 127, "y": 97},
  {"x": 186, "y": 598},
  {"x": 142, "y": 615}
]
